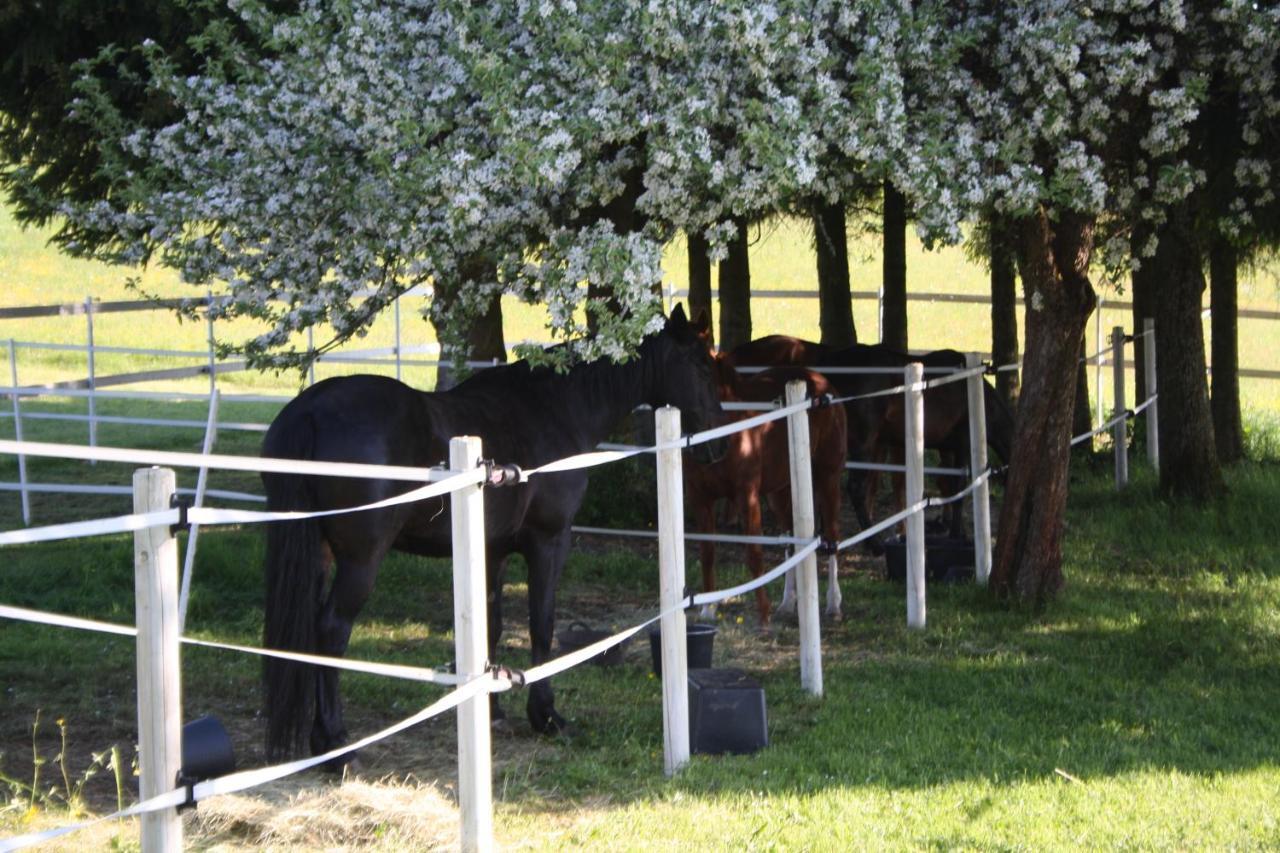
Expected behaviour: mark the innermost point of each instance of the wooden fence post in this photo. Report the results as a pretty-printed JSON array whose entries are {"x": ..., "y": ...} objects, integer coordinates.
[
  {"x": 213, "y": 356},
  {"x": 155, "y": 577},
  {"x": 1119, "y": 431},
  {"x": 193, "y": 533},
  {"x": 1153, "y": 411},
  {"x": 93, "y": 381},
  {"x": 17, "y": 432},
  {"x": 471, "y": 641},
  {"x": 311, "y": 348},
  {"x": 978, "y": 465},
  {"x": 913, "y": 375},
  {"x": 671, "y": 572},
  {"x": 398, "y": 359},
  {"x": 802, "y": 528},
  {"x": 1097, "y": 365}
]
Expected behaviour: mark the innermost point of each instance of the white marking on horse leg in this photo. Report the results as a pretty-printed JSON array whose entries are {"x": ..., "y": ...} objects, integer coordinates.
[
  {"x": 788, "y": 604},
  {"x": 834, "y": 599}
]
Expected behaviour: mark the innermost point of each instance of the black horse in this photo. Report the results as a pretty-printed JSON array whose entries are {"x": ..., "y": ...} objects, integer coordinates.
[
  {"x": 877, "y": 425},
  {"x": 320, "y": 572}
]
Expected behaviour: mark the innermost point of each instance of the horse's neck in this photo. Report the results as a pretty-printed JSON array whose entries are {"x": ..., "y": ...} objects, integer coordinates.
[
  {"x": 729, "y": 381},
  {"x": 595, "y": 397}
]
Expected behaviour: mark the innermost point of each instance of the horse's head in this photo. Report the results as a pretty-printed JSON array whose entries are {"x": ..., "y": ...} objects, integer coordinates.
[{"x": 686, "y": 379}]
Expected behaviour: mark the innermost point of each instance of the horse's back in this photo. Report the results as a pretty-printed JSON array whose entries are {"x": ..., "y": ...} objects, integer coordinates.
[
  {"x": 774, "y": 350},
  {"x": 363, "y": 418}
]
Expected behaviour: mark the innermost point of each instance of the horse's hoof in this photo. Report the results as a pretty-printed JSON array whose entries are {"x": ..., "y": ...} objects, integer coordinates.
[
  {"x": 835, "y": 615},
  {"x": 787, "y": 611},
  {"x": 346, "y": 765},
  {"x": 547, "y": 723}
]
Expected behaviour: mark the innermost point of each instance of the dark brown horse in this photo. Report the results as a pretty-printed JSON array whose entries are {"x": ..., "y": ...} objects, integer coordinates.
[
  {"x": 320, "y": 572},
  {"x": 756, "y": 468},
  {"x": 876, "y": 426}
]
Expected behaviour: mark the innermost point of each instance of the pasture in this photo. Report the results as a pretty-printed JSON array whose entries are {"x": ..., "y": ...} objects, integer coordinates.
[{"x": 1136, "y": 711}]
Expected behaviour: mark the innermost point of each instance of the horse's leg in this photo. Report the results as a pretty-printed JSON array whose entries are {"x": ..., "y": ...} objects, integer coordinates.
[
  {"x": 781, "y": 504},
  {"x": 828, "y": 493},
  {"x": 953, "y": 484},
  {"x": 704, "y": 512},
  {"x": 545, "y": 555},
  {"x": 863, "y": 485},
  {"x": 897, "y": 456},
  {"x": 352, "y": 583},
  {"x": 753, "y": 524},
  {"x": 496, "y": 570}
]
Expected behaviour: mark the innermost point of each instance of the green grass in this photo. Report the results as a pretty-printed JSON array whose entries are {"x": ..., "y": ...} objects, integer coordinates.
[{"x": 1137, "y": 711}]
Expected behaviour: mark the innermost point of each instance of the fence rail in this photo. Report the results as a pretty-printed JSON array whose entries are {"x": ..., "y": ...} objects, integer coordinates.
[{"x": 159, "y": 619}]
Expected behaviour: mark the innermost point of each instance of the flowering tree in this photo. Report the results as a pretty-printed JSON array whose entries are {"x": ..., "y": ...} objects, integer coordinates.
[{"x": 381, "y": 146}]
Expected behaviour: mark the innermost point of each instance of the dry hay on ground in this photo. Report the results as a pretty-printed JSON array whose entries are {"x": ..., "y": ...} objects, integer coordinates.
[{"x": 384, "y": 815}]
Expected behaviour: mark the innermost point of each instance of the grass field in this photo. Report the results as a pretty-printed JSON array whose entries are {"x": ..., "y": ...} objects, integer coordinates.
[{"x": 1136, "y": 712}]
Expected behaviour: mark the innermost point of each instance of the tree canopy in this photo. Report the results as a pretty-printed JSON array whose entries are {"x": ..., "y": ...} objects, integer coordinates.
[{"x": 323, "y": 158}]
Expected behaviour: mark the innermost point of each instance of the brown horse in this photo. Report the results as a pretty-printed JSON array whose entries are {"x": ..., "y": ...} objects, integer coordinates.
[
  {"x": 876, "y": 426},
  {"x": 757, "y": 466}
]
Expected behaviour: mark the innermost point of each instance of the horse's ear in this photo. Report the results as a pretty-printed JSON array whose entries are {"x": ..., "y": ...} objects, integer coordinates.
[
  {"x": 702, "y": 323},
  {"x": 678, "y": 323}
]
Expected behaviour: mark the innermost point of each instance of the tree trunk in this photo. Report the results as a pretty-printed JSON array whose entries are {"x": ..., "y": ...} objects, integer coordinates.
[
  {"x": 700, "y": 279},
  {"x": 1054, "y": 263},
  {"x": 894, "y": 330},
  {"x": 1004, "y": 309},
  {"x": 1145, "y": 286},
  {"x": 1188, "y": 455},
  {"x": 1225, "y": 400},
  {"x": 1081, "y": 411},
  {"x": 835, "y": 303},
  {"x": 735, "y": 292},
  {"x": 484, "y": 338}
]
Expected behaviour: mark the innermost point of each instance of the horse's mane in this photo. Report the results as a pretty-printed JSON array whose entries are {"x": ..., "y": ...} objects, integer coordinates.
[{"x": 519, "y": 371}]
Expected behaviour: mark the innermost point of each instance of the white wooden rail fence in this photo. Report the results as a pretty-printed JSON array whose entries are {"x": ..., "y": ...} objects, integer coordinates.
[{"x": 159, "y": 619}]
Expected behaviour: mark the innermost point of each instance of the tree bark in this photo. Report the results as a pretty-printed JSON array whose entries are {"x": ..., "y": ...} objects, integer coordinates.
[
  {"x": 1004, "y": 309},
  {"x": 735, "y": 292},
  {"x": 484, "y": 338},
  {"x": 700, "y": 279},
  {"x": 894, "y": 330},
  {"x": 1188, "y": 456},
  {"x": 1053, "y": 262},
  {"x": 835, "y": 302},
  {"x": 1228, "y": 431}
]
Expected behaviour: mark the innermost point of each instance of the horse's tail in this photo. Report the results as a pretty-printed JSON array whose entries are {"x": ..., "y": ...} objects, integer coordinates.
[{"x": 294, "y": 583}]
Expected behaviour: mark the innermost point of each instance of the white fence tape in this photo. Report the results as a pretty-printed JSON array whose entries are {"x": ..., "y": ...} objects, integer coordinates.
[
  {"x": 774, "y": 573},
  {"x": 728, "y": 539},
  {"x": 216, "y": 460},
  {"x": 210, "y": 515},
  {"x": 487, "y": 683},
  {"x": 391, "y": 670}
]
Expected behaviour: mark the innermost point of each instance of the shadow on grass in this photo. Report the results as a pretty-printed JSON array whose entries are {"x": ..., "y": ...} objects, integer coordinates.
[{"x": 1163, "y": 653}]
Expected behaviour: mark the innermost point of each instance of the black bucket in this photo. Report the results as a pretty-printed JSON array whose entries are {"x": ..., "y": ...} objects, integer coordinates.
[
  {"x": 946, "y": 560},
  {"x": 579, "y": 635},
  {"x": 206, "y": 750},
  {"x": 699, "y": 638}
]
